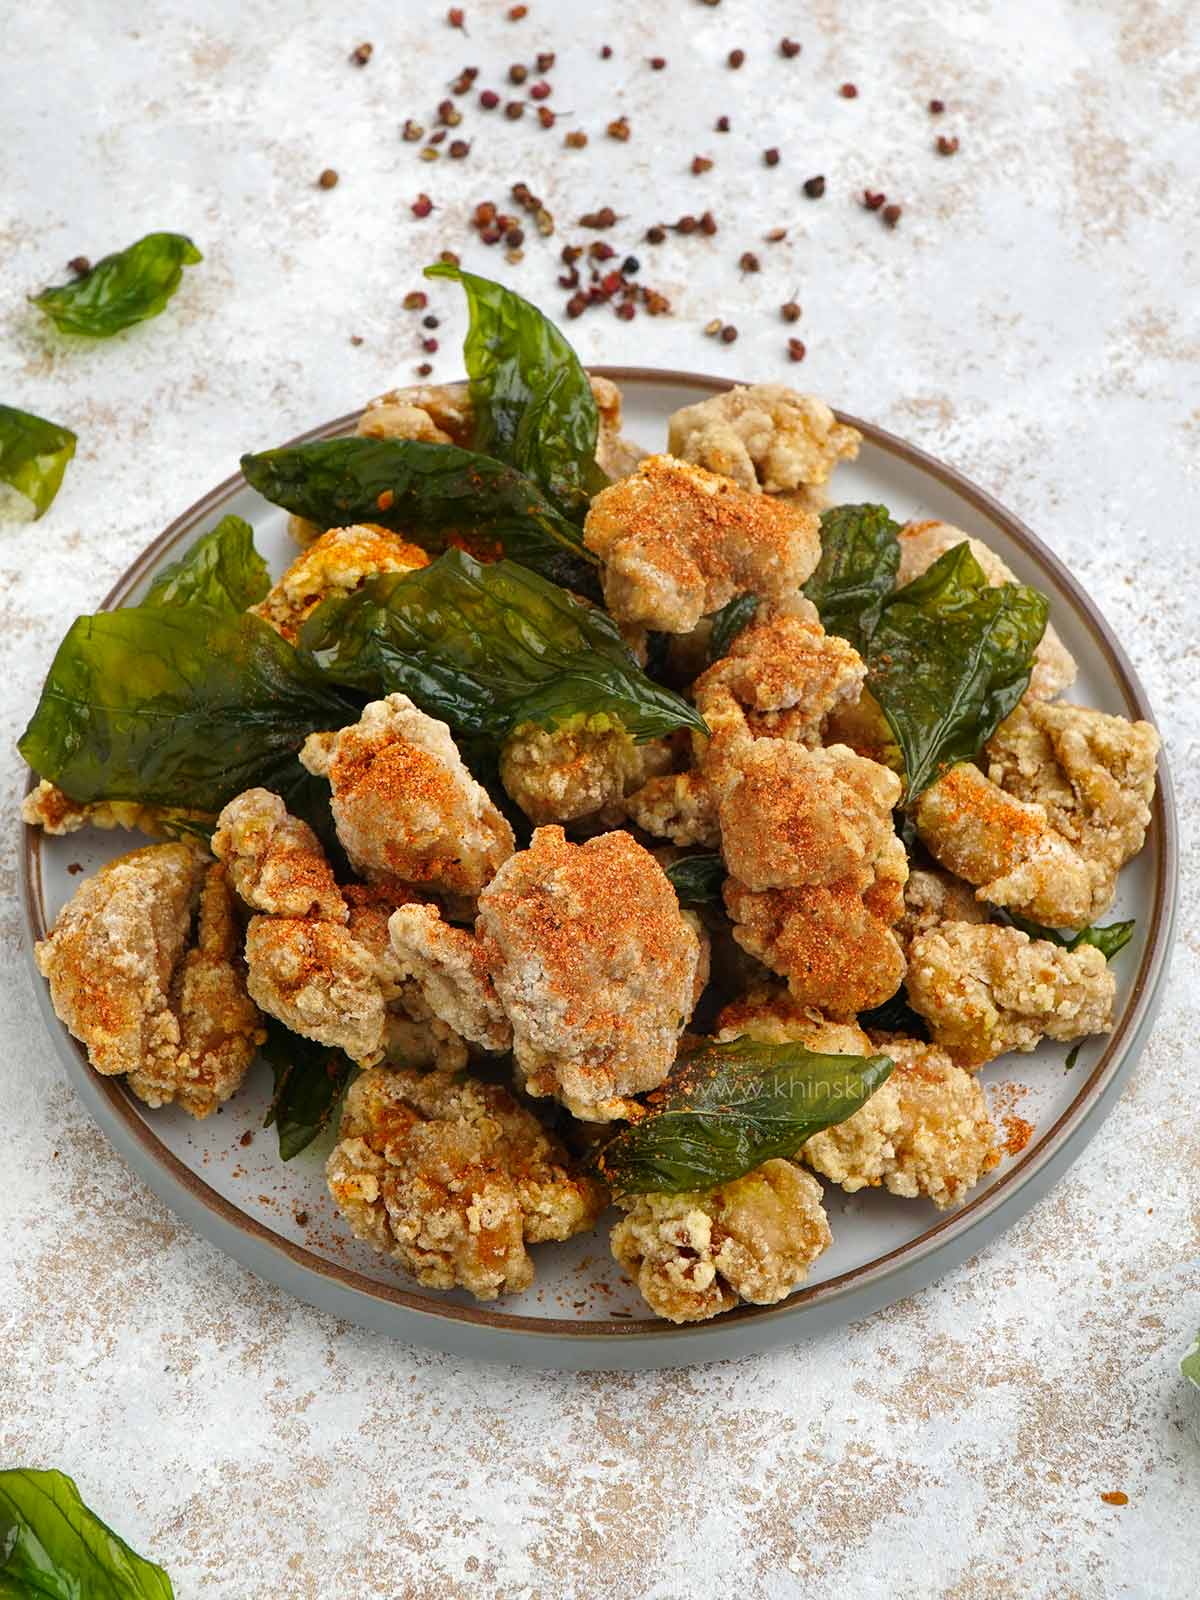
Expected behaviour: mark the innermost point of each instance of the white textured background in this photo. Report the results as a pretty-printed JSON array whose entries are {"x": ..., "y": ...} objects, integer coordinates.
[{"x": 1034, "y": 321}]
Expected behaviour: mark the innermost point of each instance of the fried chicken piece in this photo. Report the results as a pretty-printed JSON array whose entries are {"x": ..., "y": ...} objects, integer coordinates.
[
  {"x": 220, "y": 1028},
  {"x": 48, "y": 808},
  {"x": 405, "y": 806},
  {"x": 334, "y": 564},
  {"x": 931, "y": 898},
  {"x": 275, "y": 861},
  {"x": 594, "y": 965},
  {"x": 413, "y": 1035},
  {"x": 985, "y": 989},
  {"x": 580, "y": 770},
  {"x": 693, "y": 1256},
  {"x": 832, "y": 942},
  {"x": 862, "y": 726},
  {"x": 765, "y": 437},
  {"x": 680, "y": 806},
  {"x": 449, "y": 967},
  {"x": 111, "y": 954},
  {"x": 319, "y": 982},
  {"x": 771, "y": 1015},
  {"x": 454, "y": 1179},
  {"x": 677, "y": 542},
  {"x": 921, "y": 543}
]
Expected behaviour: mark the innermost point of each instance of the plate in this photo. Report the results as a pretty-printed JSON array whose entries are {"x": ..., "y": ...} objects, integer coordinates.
[{"x": 223, "y": 1177}]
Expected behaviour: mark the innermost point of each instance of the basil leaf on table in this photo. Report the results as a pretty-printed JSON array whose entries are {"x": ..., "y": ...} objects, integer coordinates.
[
  {"x": 309, "y": 1081},
  {"x": 948, "y": 659},
  {"x": 222, "y": 569},
  {"x": 728, "y": 622},
  {"x": 126, "y": 287},
  {"x": 176, "y": 706},
  {"x": 33, "y": 458},
  {"x": 437, "y": 495},
  {"x": 487, "y": 646},
  {"x": 727, "y": 1108},
  {"x": 697, "y": 879},
  {"x": 1110, "y": 940},
  {"x": 860, "y": 557},
  {"x": 54, "y": 1546},
  {"x": 532, "y": 401}
]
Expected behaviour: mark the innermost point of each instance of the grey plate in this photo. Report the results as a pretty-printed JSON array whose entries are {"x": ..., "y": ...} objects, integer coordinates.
[{"x": 278, "y": 1220}]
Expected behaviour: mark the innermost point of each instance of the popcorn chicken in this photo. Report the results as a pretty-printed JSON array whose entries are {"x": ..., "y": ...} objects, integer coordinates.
[
  {"x": 693, "y": 1256},
  {"x": 580, "y": 770},
  {"x": 319, "y": 982},
  {"x": 677, "y": 542},
  {"x": 454, "y": 1179},
  {"x": 413, "y": 1035},
  {"x": 680, "y": 806},
  {"x": 921, "y": 543},
  {"x": 594, "y": 965},
  {"x": 931, "y": 898},
  {"x": 275, "y": 861},
  {"x": 765, "y": 437},
  {"x": 405, "y": 806},
  {"x": 48, "y": 808},
  {"x": 987, "y": 989},
  {"x": 334, "y": 563},
  {"x": 449, "y": 967}
]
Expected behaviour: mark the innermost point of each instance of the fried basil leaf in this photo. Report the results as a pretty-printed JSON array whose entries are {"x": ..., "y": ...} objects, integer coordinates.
[
  {"x": 53, "y": 1546},
  {"x": 896, "y": 1016},
  {"x": 726, "y": 1108},
  {"x": 948, "y": 660},
  {"x": 434, "y": 494},
  {"x": 33, "y": 458},
  {"x": 176, "y": 706},
  {"x": 728, "y": 622},
  {"x": 1190, "y": 1365},
  {"x": 127, "y": 287},
  {"x": 1110, "y": 940},
  {"x": 697, "y": 879},
  {"x": 487, "y": 646},
  {"x": 222, "y": 569},
  {"x": 860, "y": 557},
  {"x": 532, "y": 401},
  {"x": 310, "y": 1079}
]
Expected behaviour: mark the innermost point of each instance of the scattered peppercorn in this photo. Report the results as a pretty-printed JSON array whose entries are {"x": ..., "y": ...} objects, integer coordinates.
[
  {"x": 771, "y": 157},
  {"x": 657, "y": 305},
  {"x": 796, "y": 349},
  {"x": 789, "y": 48},
  {"x": 356, "y": 338},
  {"x": 544, "y": 221},
  {"x": 775, "y": 235},
  {"x": 424, "y": 369},
  {"x": 713, "y": 328},
  {"x": 415, "y": 300},
  {"x": 873, "y": 200},
  {"x": 540, "y": 90},
  {"x": 361, "y": 55},
  {"x": 429, "y": 321},
  {"x": 657, "y": 63},
  {"x": 708, "y": 224},
  {"x": 449, "y": 257},
  {"x": 604, "y": 218},
  {"x": 514, "y": 109},
  {"x": 601, "y": 250},
  {"x": 515, "y": 13},
  {"x": 891, "y": 215},
  {"x": 328, "y": 178},
  {"x": 422, "y": 206},
  {"x": 936, "y": 107},
  {"x": 489, "y": 99},
  {"x": 1115, "y": 1497},
  {"x": 459, "y": 148},
  {"x": 627, "y": 311},
  {"x": 605, "y": 52},
  {"x": 465, "y": 79},
  {"x": 790, "y": 311},
  {"x": 701, "y": 164},
  {"x": 437, "y": 138},
  {"x": 849, "y": 91},
  {"x": 577, "y": 304},
  {"x": 456, "y": 17},
  {"x": 517, "y": 73},
  {"x": 630, "y": 266},
  {"x": 619, "y": 129},
  {"x": 79, "y": 265},
  {"x": 429, "y": 346},
  {"x": 485, "y": 212},
  {"x": 412, "y": 131},
  {"x": 735, "y": 58},
  {"x": 722, "y": 124},
  {"x": 946, "y": 147},
  {"x": 545, "y": 60},
  {"x": 575, "y": 140},
  {"x": 728, "y": 333},
  {"x": 429, "y": 153},
  {"x": 546, "y": 117},
  {"x": 514, "y": 238},
  {"x": 749, "y": 262},
  {"x": 686, "y": 224},
  {"x": 571, "y": 253},
  {"x": 814, "y": 188},
  {"x": 655, "y": 235}
]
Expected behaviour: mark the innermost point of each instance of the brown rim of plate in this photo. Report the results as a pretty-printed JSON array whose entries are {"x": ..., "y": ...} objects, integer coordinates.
[{"x": 1161, "y": 837}]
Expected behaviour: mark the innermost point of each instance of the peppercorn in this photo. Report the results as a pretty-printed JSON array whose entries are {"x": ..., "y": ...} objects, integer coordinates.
[
  {"x": 686, "y": 224},
  {"x": 514, "y": 238},
  {"x": 627, "y": 311},
  {"x": 356, "y": 338},
  {"x": 429, "y": 345},
  {"x": 814, "y": 188},
  {"x": 936, "y": 107},
  {"x": 514, "y": 109},
  {"x": 728, "y": 333},
  {"x": 568, "y": 280},
  {"x": 790, "y": 311},
  {"x": 424, "y": 369},
  {"x": 775, "y": 235},
  {"x": 540, "y": 90},
  {"x": 946, "y": 147},
  {"x": 458, "y": 149},
  {"x": 849, "y": 91},
  {"x": 485, "y": 212},
  {"x": 771, "y": 157},
  {"x": 604, "y": 218},
  {"x": 514, "y": 256},
  {"x": 735, "y": 58},
  {"x": 412, "y": 131},
  {"x": 490, "y": 234},
  {"x": 422, "y": 206},
  {"x": 489, "y": 99},
  {"x": 891, "y": 215},
  {"x": 713, "y": 328},
  {"x": 701, "y": 164},
  {"x": 456, "y": 17},
  {"x": 749, "y": 262},
  {"x": 577, "y": 304},
  {"x": 796, "y": 349},
  {"x": 630, "y": 265},
  {"x": 429, "y": 322},
  {"x": 872, "y": 200},
  {"x": 415, "y": 300},
  {"x": 545, "y": 60},
  {"x": 789, "y": 48},
  {"x": 429, "y": 153},
  {"x": 657, "y": 63},
  {"x": 655, "y": 235},
  {"x": 657, "y": 305},
  {"x": 464, "y": 80},
  {"x": 515, "y": 13},
  {"x": 605, "y": 52},
  {"x": 449, "y": 257},
  {"x": 517, "y": 73},
  {"x": 708, "y": 224},
  {"x": 722, "y": 124},
  {"x": 571, "y": 252},
  {"x": 546, "y": 117},
  {"x": 576, "y": 140},
  {"x": 544, "y": 222},
  {"x": 361, "y": 55},
  {"x": 79, "y": 265},
  {"x": 328, "y": 178},
  {"x": 619, "y": 129},
  {"x": 436, "y": 138},
  {"x": 601, "y": 250}
]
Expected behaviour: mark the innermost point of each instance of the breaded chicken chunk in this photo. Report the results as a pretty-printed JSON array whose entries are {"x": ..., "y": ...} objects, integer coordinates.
[
  {"x": 862, "y": 725},
  {"x": 334, "y": 564},
  {"x": 594, "y": 965},
  {"x": 449, "y": 967},
  {"x": 319, "y": 982},
  {"x": 579, "y": 771},
  {"x": 764, "y": 437},
  {"x": 48, "y": 808},
  {"x": 921, "y": 543},
  {"x": 677, "y": 542},
  {"x": 985, "y": 989},
  {"x": 680, "y": 806},
  {"x": 454, "y": 1179},
  {"x": 405, "y": 806},
  {"x": 693, "y": 1256},
  {"x": 932, "y": 897},
  {"x": 275, "y": 861}
]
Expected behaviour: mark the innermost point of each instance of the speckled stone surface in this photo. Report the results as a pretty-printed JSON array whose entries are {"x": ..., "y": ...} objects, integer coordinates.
[{"x": 1033, "y": 320}]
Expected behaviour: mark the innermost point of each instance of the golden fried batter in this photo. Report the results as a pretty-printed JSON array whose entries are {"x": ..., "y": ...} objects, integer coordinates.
[
  {"x": 577, "y": 771},
  {"x": 862, "y": 725},
  {"x": 319, "y": 982},
  {"x": 413, "y": 1035},
  {"x": 693, "y": 1256},
  {"x": 764, "y": 437},
  {"x": 449, "y": 967},
  {"x": 275, "y": 861},
  {"x": 680, "y": 806},
  {"x": 677, "y": 542},
  {"x": 453, "y": 1178},
  {"x": 932, "y": 897},
  {"x": 986, "y": 989},
  {"x": 334, "y": 564},
  {"x": 405, "y": 806},
  {"x": 48, "y": 808}
]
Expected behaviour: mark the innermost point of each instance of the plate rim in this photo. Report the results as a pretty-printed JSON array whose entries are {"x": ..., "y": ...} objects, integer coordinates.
[{"x": 344, "y": 1291}]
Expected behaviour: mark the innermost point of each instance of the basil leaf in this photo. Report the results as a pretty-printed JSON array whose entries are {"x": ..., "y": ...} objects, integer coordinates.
[
  {"x": 487, "y": 647},
  {"x": 33, "y": 458},
  {"x": 727, "y": 1108},
  {"x": 948, "y": 660},
  {"x": 1110, "y": 940},
  {"x": 310, "y": 1079},
  {"x": 697, "y": 879},
  {"x": 860, "y": 557},
  {"x": 222, "y": 569},
  {"x": 532, "y": 401},
  {"x": 52, "y": 1545},
  {"x": 176, "y": 706},
  {"x": 896, "y": 1016},
  {"x": 1190, "y": 1365},
  {"x": 435, "y": 494},
  {"x": 127, "y": 287},
  {"x": 728, "y": 622}
]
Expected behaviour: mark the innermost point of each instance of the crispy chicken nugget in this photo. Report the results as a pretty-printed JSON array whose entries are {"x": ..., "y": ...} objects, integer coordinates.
[
  {"x": 334, "y": 564},
  {"x": 413, "y": 1035},
  {"x": 449, "y": 967},
  {"x": 764, "y": 437},
  {"x": 48, "y": 808},
  {"x": 319, "y": 982},
  {"x": 581, "y": 770},
  {"x": 275, "y": 861},
  {"x": 932, "y": 897}
]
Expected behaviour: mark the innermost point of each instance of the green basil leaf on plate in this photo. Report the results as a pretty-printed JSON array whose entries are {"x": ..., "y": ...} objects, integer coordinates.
[
  {"x": 1110, "y": 939},
  {"x": 310, "y": 1079},
  {"x": 221, "y": 569},
  {"x": 33, "y": 458},
  {"x": 697, "y": 879},
  {"x": 728, "y": 622},
  {"x": 896, "y": 1016},
  {"x": 53, "y": 1547},
  {"x": 487, "y": 646},
  {"x": 860, "y": 557},
  {"x": 532, "y": 401},
  {"x": 727, "y": 1108},
  {"x": 129, "y": 286}
]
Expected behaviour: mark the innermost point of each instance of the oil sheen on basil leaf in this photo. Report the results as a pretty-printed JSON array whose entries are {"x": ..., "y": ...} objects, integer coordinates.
[
  {"x": 726, "y": 1108},
  {"x": 52, "y": 1545},
  {"x": 488, "y": 646},
  {"x": 222, "y": 569},
  {"x": 697, "y": 879},
  {"x": 1110, "y": 939},
  {"x": 33, "y": 458},
  {"x": 129, "y": 286},
  {"x": 532, "y": 401},
  {"x": 860, "y": 557},
  {"x": 948, "y": 659},
  {"x": 736, "y": 615},
  {"x": 437, "y": 495},
  {"x": 310, "y": 1079}
]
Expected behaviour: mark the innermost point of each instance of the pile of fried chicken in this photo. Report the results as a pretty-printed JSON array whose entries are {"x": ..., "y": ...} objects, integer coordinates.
[{"x": 573, "y": 955}]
